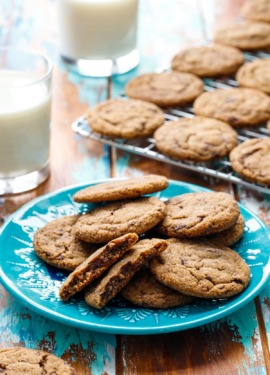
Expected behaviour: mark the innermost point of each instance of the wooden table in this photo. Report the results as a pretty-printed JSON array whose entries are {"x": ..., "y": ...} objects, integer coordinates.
[{"x": 237, "y": 344}]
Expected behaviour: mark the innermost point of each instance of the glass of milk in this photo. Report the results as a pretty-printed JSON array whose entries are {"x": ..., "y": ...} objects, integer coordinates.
[
  {"x": 98, "y": 37},
  {"x": 25, "y": 106}
]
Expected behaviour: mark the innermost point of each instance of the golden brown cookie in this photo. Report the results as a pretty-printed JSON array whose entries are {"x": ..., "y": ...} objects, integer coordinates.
[
  {"x": 255, "y": 74},
  {"x": 145, "y": 290},
  {"x": 239, "y": 107},
  {"x": 18, "y": 361},
  {"x": 197, "y": 139},
  {"x": 115, "y": 219},
  {"x": 122, "y": 189},
  {"x": 57, "y": 245},
  {"x": 251, "y": 160},
  {"x": 96, "y": 264},
  {"x": 231, "y": 235},
  {"x": 256, "y": 10},
  {"x": 165, "y": 89},
  {"x": 198, "y": 214},
  {"x": 104, "y": 289},
  {"x": 201, "y": 268},
  {"x": 208, "y": 61},
  {"x": 125, "y": 118},
  {"x": 245, "y": 35}
]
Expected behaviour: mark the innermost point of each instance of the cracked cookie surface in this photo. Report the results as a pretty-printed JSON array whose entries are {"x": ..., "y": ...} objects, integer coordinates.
[
  {"x": 198, "y": 214},
  {"x": 96, "y": 264},
  {"x": 57, "y": 245},
  {"x": 146, "y": 291},
  {"x": 165, "y": 89},
  {"x": 18, "y": 361},
  {"x": 208, "y": 61},
  {"x": 124, "y": 189},
  {"x": 201, "y": 268},
  {"x": 255, "y": 74},
  {"x": 120, "y": 118},
  {"x": 231, "y": 235},
  {"x": 196, "y": 138},
  {"x": 256, "y": 10},
  {"x": 115, "y": 219},
  {"x": 245, "y": 35},
  {"x": 251, "y": 159},
  {"x": 239, "y": 107}
]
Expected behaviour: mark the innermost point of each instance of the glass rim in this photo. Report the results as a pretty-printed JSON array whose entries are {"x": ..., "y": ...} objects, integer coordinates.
[{"x": 48, "y": 62}]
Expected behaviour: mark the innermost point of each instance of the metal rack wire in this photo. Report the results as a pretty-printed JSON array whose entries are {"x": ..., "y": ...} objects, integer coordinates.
[{"x": 220, "y": 169}]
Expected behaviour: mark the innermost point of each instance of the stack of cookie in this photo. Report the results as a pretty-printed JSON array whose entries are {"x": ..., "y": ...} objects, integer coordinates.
[{"x": 103, "y": 252}]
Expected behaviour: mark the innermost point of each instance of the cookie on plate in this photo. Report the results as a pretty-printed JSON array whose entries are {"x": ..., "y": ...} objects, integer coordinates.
[
  {"x": 198, "y": 214},
  {"x": 57, "y": 245},
  {"x": 197, "y": 139},
  {"x": 239, "y": 107},
  {"x": 145, "y": 290},
  {"x": 104, "y": 223},
  {"x": 208, "y": 61},
  {"x": 107, "y": 287},
  {"x": 18, "y": 361},
  {"x": 256, "y": 10},
  {"x": 231, "y": 235},
  {"x": 96, "y": 264},
  {"x": 122, "y": 189},
  {"x": 245, "y": 35},
  {"x": 125, "y": 118},
  {"x": 255, "y": 74},
  {"x": 165, "y": 89},
  {"x": 201, "y": 268},
  {"x": 251, "y": 160}
]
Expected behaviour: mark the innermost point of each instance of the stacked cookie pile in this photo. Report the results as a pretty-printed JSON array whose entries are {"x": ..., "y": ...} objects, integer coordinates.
[
  {"x": 183, "y": 253},
  {"x": 211, "y": 133}
]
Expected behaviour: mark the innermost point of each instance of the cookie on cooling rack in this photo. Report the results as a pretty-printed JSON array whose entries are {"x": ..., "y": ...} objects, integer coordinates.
[
  {"x": 125, "y": 118},
  {"x": 165, "y": 89},
  {"x": 201, "y": 268},
  {"x": 239, "y": 107},
  {"x": 208, "y": 61},
  {"x": 256, "y": 10},
  {"x": 251, "y": 160},
  {"x": 197, "y": 139},
  {"x": 245, "y": 35},
  {"x": 255, "y": 74}
]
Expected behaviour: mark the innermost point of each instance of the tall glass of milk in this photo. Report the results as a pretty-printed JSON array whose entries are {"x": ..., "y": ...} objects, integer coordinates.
[
  {"x": 25, "y": 103},
  {"x": 98, "y": 37}
]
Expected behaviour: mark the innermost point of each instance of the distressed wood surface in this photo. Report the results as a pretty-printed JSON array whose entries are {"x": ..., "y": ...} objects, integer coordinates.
[{"x": 237, "y": 344}]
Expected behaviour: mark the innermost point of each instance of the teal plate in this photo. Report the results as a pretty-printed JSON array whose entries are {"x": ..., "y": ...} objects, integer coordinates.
[{"x": 37, "y": 285}]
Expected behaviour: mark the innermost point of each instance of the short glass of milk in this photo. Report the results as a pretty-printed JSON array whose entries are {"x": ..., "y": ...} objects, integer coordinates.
[
  {"x": 98, "y": 38},
  {"x": 25, "y": 112}
]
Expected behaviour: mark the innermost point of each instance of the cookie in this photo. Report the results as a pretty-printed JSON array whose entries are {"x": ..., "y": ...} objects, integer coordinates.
[
  {"x": 124, "y": 189},
  {"x": 96, "y": 264},
  {"x": 256, "y": 10},
  {"x": 128, "y": 119},
  {"x": 197, "y": 139},
  {"x": 251, "y": 160},
  {"x": 165, "y": 89},
  {"x": 231, "y": 235},
  {"x": 208, "y": 61},
  {"x": 239, "y": 107},
  {"x": 57, "y": 245},
  {"x": 115, "y": 219},
  {"x": 18, "y": 361},
  {"x": 255, "y": 74},
  {"x": 145, "y": 290},
  {"x": 198, "y": 214},
  {"x": 201, "y": 268},
  {"x": 107, "y": 287},
  {"x": 245, "y": 35}
]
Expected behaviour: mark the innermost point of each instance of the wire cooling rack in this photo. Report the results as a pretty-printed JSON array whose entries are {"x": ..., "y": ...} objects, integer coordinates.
[{"x": 220, "y": 169}]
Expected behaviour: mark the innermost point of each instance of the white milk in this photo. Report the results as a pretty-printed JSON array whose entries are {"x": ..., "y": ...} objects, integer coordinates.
[
  {"x": 97, "y": 29},
  {"x": 24, "y": 124}
]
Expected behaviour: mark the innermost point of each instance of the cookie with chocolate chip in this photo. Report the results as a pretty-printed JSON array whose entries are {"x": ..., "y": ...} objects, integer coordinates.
[{"x": 256, "y": 75}]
